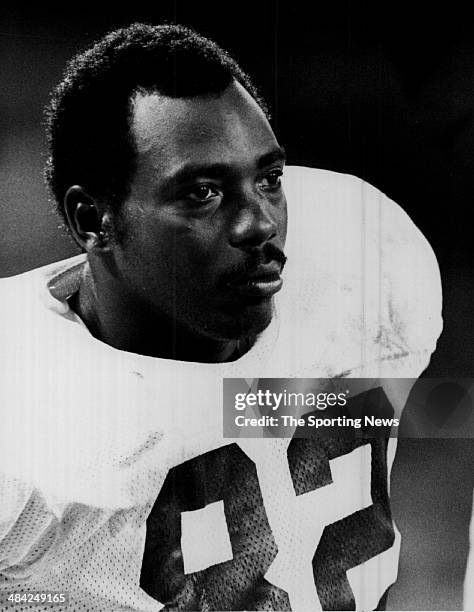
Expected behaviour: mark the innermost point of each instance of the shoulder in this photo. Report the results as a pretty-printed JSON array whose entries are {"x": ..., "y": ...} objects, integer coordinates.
[
  {"x": 362, "y": 270},
  {"x": 28, "y": 312},
  {"x": 347, "y": 206},
  {"x": 24, "y": 291},
  {"x": 88, "y": 404}
]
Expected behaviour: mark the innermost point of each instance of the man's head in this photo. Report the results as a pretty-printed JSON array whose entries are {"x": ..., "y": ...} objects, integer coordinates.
[
  {"x": 88, "y": 119},
  {"x": 165, "y": 167}
]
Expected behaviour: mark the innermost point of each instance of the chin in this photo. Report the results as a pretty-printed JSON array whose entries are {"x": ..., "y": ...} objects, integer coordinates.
[{"x": 247, "y": 322}]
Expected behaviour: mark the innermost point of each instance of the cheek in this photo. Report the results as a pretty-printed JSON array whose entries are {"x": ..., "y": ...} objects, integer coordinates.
[
  {"x": 170, "y": 245},
  {"x": 178, "y": 252},
  {"x": 283, "y": 221},
  {"x": 197, "y": 244}
]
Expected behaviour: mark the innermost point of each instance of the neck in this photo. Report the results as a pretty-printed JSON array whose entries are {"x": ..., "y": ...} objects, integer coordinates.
[{"x": 115, "y": 318}]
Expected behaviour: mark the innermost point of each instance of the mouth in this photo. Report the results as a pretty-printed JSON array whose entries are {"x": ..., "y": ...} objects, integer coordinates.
[{"x": 263, "y": 282}]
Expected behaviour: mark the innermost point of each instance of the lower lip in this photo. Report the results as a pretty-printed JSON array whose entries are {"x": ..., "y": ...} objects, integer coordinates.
[{"x": 258, "y": 287}]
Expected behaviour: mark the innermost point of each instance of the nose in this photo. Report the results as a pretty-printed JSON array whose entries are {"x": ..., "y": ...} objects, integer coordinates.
[{"x": 254, "y": 223}]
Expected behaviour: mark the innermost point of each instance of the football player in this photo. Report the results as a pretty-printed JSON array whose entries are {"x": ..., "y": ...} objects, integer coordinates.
[{"x": 117, "y": 487}]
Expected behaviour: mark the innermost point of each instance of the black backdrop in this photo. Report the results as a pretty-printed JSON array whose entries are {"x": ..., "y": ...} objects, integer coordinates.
[{"x": 381, "y": 90}]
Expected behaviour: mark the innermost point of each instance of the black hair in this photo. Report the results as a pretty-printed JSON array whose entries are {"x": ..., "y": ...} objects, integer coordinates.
[{"x": 88, "y": 118}]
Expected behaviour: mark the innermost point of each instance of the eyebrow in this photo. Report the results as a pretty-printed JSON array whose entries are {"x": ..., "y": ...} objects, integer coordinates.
[
  {"x": 191, "y": 170},
  {"x": 277, "y": 155}
]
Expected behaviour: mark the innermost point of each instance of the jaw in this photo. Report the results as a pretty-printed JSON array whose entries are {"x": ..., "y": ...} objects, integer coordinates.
[{"x": 243, "y": 321}]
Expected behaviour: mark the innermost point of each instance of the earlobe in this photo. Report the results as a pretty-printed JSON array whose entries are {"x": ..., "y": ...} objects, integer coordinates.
[{"x": 84, "y": 218}]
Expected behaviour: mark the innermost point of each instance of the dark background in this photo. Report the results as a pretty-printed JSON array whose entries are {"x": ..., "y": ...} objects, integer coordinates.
[{"x": 381, "y": 90}]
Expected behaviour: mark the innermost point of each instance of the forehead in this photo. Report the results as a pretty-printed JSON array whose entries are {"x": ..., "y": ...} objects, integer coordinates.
[{"x": 229, "y": 128}]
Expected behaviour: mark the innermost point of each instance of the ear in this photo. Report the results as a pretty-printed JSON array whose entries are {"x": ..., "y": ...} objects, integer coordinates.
[{"x": 86, "y": 219}]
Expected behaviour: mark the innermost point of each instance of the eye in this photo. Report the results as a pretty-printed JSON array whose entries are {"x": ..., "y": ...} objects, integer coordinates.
[
  {"x": 201, "y": 193},
  {"x": 272, "y": 180}
]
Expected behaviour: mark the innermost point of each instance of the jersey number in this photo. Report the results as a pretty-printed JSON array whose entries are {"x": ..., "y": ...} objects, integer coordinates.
[{"x": 320, "y": 474}]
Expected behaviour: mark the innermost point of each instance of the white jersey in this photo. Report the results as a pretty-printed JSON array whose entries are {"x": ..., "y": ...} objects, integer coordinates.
[
  {"x": 469, "y": 580},
  {"x": 116, "y": 484}
]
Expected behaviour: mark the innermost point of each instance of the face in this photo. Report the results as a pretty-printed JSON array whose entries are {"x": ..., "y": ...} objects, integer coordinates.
[{"x": 203, "y": 229}]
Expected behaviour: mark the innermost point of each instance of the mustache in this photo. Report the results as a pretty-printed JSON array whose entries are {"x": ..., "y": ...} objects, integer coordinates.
[{"x": 255, "y": 258}]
